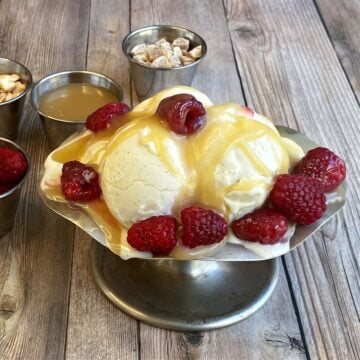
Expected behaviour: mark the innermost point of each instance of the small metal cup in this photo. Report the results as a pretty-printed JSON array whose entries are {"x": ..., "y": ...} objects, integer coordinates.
[
  {"x": 57, "y": 130},
  {"x": 9, "y": 200},
  {"x": 11, "y": 111},
  {"x": 148, "y": 80}
]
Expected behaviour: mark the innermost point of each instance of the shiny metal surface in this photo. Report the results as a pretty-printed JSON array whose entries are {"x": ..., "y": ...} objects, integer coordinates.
[
  {"x": 9, "y": 200},
  {"x": 184, "y": 295},
  {"x": 147, "y": 80},
  {"x": 11, "y": 111},
  {"x": 229, "y": 252},
  {"x": 57, "y": 130}
]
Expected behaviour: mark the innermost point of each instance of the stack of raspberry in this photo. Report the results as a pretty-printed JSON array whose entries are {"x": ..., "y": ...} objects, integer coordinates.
[
  {"x": 298, "y": 197},
  {"x": 13, "y": 167}
]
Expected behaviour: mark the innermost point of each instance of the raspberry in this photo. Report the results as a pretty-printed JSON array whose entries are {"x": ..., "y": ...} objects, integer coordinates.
[
  {"x": 323, "y": 164},
  {"x": 300, "y": 198},
  {"x": 183, "y": 113},
  {"x": 202, "y": 227},
  {"x": 13, "y": 165},
  {"x": 248, "y": 111},
  {"x": 6, "y": 187},
  {"x": 156, "y": 234},
  {"x": 265, "y": 226},
  {"x": 101, "y": 118},
  {"x": 79, "y": 182}
]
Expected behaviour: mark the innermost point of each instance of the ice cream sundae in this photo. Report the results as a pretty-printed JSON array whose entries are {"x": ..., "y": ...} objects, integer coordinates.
[{"x": 180, "y": 177}]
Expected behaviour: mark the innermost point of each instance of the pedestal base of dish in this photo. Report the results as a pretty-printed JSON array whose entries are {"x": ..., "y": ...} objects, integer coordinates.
[{"x": 184, "y": 295}]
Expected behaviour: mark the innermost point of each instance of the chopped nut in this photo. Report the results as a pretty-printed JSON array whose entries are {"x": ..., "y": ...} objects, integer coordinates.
[
  {"x": 11, "y": 86},
  {"x": 7, "y": 82},
  {"x": 19, "y": 88},
  {"x": 182, "y": 43},
  {"x": 9, "y": 96},
  {"x": 196, "y": 52}
]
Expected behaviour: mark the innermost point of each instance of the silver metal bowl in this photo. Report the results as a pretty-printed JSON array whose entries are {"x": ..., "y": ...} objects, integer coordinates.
[
  {"x": 148, "y": 80},
  {"x": 9, "y": 200},
  {"x": 57, "y": 130},
  {"x": 11, "y": 111}
]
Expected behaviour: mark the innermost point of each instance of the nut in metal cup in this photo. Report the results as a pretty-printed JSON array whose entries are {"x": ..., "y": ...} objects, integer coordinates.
[
  {"x": 11, "y": 111},
  {"x": 9, "y": 200},
  {"x": 58, "y": 130},
  {"x": 148, "y": 80}
]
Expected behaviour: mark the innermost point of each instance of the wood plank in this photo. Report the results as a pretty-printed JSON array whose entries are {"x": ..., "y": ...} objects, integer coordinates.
[
  {"x": 217, "y": 77},
  {"x": 271, "y": 333},
  {"x": 36, "y": 262},
  {"x": 97, "y": 329},
  {"x": 291, "y": 73},
  {"x": 341, "y": 19}
]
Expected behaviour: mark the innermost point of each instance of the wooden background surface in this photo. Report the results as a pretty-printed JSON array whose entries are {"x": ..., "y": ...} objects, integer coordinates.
[{"x": 296, "y": 61}]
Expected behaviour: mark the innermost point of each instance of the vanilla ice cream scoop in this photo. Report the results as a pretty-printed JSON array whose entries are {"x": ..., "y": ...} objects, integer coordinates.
[
  {"x": 145, "y": 169},
  {"x": 136, "y": 183}
]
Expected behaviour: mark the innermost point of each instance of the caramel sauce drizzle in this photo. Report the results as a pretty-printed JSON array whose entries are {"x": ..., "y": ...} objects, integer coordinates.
[{"x": 202, "y": 152}]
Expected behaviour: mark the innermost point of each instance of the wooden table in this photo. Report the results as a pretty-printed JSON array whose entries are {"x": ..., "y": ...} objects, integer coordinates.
[{"x": 296, "y": 61}]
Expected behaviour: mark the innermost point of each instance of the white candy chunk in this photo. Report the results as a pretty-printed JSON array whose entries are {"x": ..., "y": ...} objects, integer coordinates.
[
  {"x": 182, "y": 43},
  {"x": 177, "y": 51},
  {"x": 196, "y": 52},
  {"x": 7, "y": 82},
  {"x": 186, "y": 60},
  {"x": 138, "y": 49},
  {"x": 161, "y": 61},
  {"x": 153, "y": 52},
  {"x": 163, "y": 44},
  {"x": 141, "y": 59},
  {"x": 175, "y": 61}
]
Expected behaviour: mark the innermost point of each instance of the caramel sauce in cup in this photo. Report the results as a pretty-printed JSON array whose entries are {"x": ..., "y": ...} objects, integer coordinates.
[{"x": 75, "y": 101}]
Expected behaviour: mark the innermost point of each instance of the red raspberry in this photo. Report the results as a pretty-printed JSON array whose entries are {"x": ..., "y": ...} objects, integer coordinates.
[
  {"x": 13, "y": 165},
  {"x": 300, "y": 198},
  {"x": 156, "y": 234},
  {"x": 202, "y": 227},
  {"x": 248, "y": 111},
  {"x": 79, "y": 182},
  {"x": 265, "y": 226},
  {"x": 101, "y": 118},
  {"x": 6, "y": 187},
  {"x": 323, "y": 164},
  {"x": 183, "y": 113}
]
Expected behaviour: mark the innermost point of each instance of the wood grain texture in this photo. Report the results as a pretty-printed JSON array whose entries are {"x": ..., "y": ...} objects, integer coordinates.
[
  {"x": 36, "y": 257},
  {"x": 341, "y": 19},
  {"x": 96, "y": 328},
  {"x": 291, "y": 73},
  {"x": 270, "y": 333}
]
